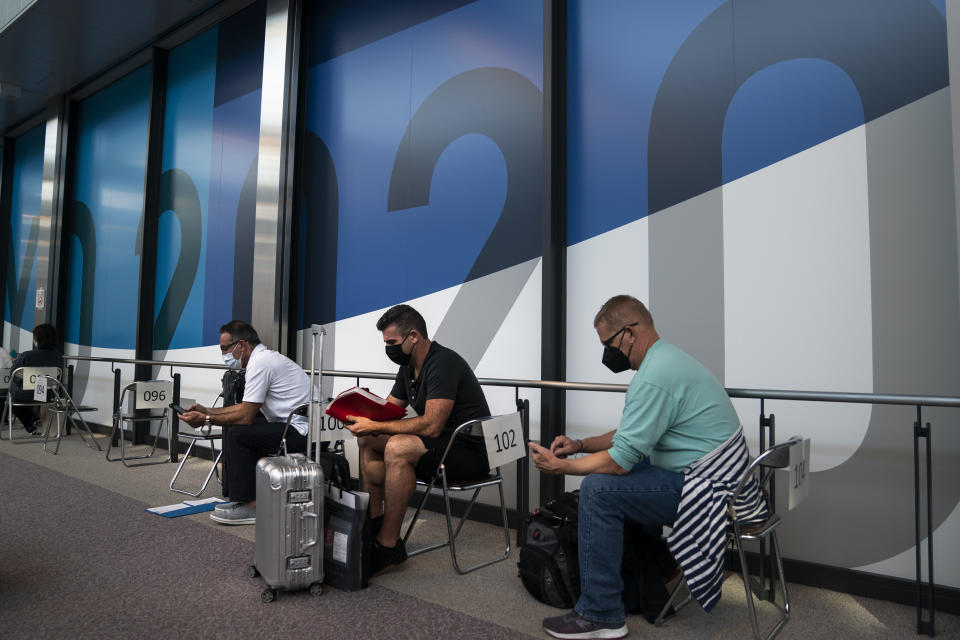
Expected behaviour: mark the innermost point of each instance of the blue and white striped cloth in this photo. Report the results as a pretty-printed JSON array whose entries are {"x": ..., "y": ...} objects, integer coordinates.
[{"x": 698, "y": 538}]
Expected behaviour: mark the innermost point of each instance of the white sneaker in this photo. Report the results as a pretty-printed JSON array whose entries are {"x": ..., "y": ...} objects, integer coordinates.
[{"x": 237, "y": 514}]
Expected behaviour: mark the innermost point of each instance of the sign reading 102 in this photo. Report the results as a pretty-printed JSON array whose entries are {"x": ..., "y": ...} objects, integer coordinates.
[{"x": 503, "y": 439}]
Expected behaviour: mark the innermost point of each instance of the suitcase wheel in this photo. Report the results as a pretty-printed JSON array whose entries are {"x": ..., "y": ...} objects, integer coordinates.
[
  {"x": 316, "y": 589},
  {"x": 268, "y": 595},
  {"x": 252, "y": 572}
]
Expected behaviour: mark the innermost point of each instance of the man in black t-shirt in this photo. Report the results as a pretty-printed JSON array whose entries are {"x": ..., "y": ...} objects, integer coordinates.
[{"x": 442, "y": 389}]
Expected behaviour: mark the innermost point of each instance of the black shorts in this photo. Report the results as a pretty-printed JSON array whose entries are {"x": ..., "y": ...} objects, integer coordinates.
[{"x": 467, "y": 459}]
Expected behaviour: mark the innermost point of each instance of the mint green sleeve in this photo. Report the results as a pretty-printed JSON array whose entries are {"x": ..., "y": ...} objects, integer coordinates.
[{"x": 647, "y": 413}]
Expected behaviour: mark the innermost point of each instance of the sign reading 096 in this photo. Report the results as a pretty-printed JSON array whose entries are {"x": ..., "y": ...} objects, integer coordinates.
[{"x": 154, "y": 395}]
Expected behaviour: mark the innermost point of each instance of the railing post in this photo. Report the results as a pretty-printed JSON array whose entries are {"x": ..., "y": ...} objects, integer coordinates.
[
  {"x": 68, "y": 423},
  {"x": 116, "y": 401},
  {"x": 523, "y": 470},
  {"x": 174, "y": 443},
  {"x": 921, "y": 431},
  {"x": 767, "y": 428}
]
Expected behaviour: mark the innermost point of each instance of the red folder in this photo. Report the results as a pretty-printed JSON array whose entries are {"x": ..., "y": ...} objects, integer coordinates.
[{"x": 362, "y": 403}]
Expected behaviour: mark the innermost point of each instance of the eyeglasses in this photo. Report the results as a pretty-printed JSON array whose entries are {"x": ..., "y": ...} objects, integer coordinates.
[
  {"x": 227, "y": 347},
  {"x": 607, "y": 342}
]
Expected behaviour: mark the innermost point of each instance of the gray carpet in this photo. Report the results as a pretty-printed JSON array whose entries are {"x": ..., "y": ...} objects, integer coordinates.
[{"x": 79, "y": 561}]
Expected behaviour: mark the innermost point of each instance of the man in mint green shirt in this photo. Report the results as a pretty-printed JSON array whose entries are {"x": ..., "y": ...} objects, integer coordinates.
[{"x": 675, "y": 413}]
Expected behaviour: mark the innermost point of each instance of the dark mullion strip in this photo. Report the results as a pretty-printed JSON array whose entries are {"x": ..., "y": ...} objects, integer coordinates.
[
  {"x": 554, "y": 316},
  {"x": 151, "y": 216},
  {"x": 291, "y": 177},
  {"x": 6, "y": 195}
]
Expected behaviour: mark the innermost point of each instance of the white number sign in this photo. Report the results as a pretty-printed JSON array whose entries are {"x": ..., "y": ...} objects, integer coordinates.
[
  {"x": 799, "y": 473},
  {"x": 332, "y": 430},
  {"x": 4, "y": 379},
  {"x": 154, "y": 395},
  {"x": 40, "y": 388},
  {"x": 503, "y": 438},
  {"x": 31, "y": 375}
]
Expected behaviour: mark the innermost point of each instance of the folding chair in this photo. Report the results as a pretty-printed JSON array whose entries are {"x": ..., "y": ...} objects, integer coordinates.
[
  {"x": 503, "y": 437},
  {"x": 30, "y": 375},
  {"x": 210, "y": 434},
  {"x": 141, "y": 396},
  {"x": 775, "y": 457},
  {"x": 62, "y": 410}
]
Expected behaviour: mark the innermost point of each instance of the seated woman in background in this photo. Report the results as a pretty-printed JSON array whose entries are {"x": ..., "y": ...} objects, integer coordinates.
[{"x": 44, "y": 354}]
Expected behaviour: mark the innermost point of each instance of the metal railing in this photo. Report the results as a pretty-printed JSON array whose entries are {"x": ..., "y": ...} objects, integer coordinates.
[{"x": 925, "y": 604}]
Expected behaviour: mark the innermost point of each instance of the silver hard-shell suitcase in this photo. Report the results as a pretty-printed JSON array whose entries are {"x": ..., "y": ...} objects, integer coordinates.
[{"x": 288, "y": 552}]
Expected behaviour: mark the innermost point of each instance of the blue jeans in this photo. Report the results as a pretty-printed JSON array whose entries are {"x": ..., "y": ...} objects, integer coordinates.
[{"x": 649, "y": 496}]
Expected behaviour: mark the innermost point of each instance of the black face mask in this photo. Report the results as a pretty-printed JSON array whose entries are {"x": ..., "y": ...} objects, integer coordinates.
[
  {"x": 396, "y": 354},
  {"x": 613, "y": 358},
  {"x": 616, "y": 360}
]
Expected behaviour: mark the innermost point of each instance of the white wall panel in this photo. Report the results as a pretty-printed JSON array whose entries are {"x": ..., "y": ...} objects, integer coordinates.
[
  {"x": 612, "y": 263},
  {"x": 946, "y": 570},
  {"x": 797, "y": 290}
]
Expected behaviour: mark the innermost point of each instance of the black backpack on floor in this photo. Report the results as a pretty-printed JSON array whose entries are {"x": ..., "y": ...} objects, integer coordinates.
[{"x": 548, "y": 565}]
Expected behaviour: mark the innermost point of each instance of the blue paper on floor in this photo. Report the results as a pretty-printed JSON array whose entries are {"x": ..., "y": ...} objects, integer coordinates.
[{"x": 186, "y": 507}]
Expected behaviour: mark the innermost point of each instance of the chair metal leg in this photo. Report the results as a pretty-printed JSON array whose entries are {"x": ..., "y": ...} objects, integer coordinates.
[
  {"x": 92, "y": 443},
  {"x": 117, "y": 420},
  {"x": 453, "y": 536},
  {"x": 453, "y": 533},
  {"x": 8, "y": 411},
  {"x": 203, "y": 488},
  {"x": 58, "y": 415},
  {"x": 783, "y": 588},
  {"x": 748, "y": 585},
  {"x": 747, "y": 582},
  {"x": 680, "y": 597},
  {"x": 413, "y": 522}
]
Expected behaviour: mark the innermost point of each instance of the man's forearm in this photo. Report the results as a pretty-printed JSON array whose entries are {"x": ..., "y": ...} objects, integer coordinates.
[
  {"x": 419, "y": 426},
  {"x": 231, "y": 415},
  {"x": 598, "y": 443},
  {"x": 600, "y": 462}
]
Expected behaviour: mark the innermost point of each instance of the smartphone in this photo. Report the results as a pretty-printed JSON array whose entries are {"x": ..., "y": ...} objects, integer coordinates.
[{"x": 177, "y": 408}]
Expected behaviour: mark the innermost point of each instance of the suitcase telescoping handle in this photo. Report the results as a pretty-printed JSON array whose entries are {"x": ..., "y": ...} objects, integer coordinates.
[{"x": 283, "y": 436}]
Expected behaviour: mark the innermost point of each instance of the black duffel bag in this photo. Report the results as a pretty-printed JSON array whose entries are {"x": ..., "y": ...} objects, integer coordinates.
[{"x": 549, "y": 565}]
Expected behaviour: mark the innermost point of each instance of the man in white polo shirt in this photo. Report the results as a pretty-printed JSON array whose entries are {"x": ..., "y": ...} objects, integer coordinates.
[{"x": 275, "y": 385}]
